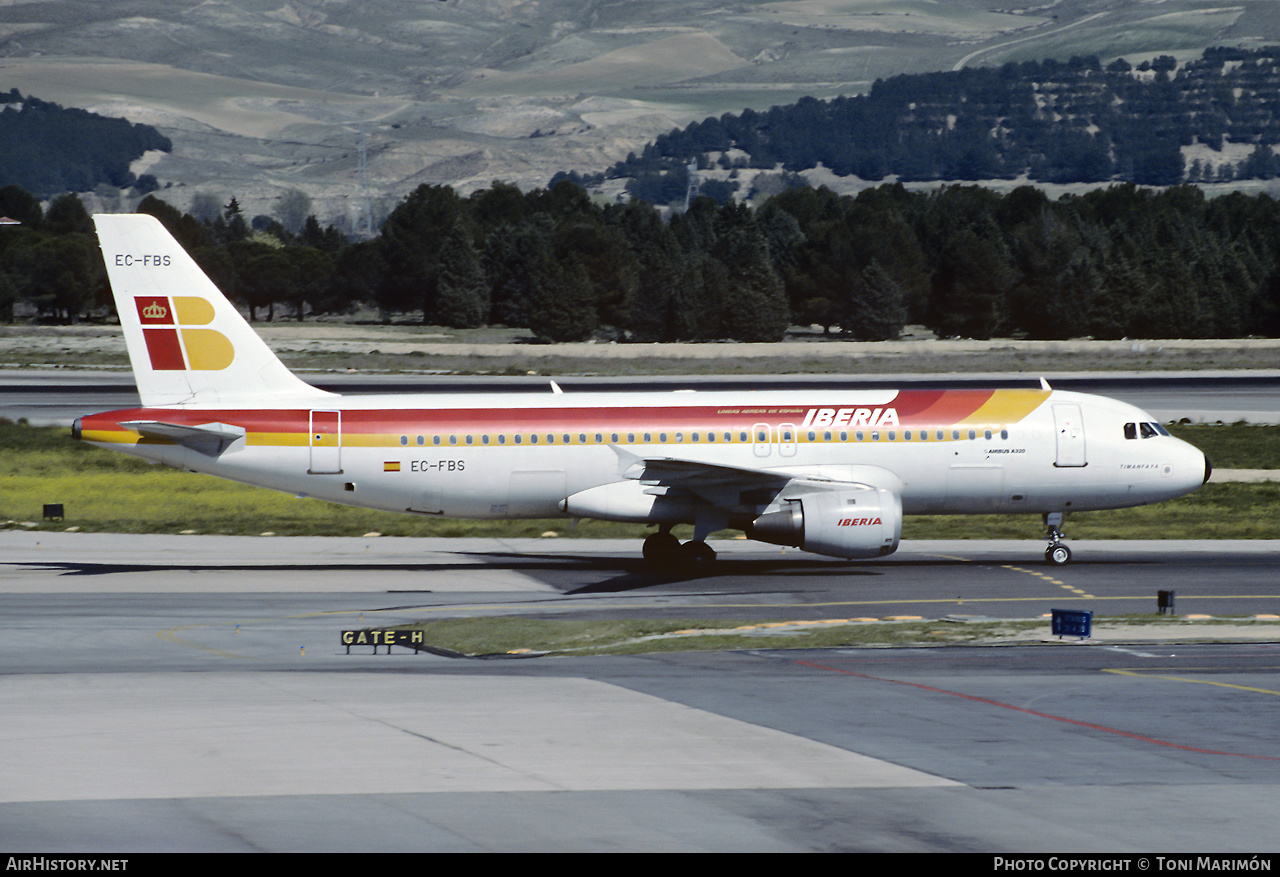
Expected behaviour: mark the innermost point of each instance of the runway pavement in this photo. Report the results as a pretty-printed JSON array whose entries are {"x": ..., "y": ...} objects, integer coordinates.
[
  {"x": 57, "y": 397},
  {"x": 190, "y": 693}
]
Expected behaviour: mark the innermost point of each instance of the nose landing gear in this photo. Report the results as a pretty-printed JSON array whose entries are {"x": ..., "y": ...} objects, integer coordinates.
[{"x": 1057, "y": 554}]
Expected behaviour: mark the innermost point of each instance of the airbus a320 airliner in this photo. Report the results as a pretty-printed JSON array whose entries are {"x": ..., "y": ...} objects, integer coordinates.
[{"x": 828, "y": 471}]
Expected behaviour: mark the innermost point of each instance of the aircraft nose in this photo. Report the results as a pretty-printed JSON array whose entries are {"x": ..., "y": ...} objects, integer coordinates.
[{"x": 1208, "y": 469}]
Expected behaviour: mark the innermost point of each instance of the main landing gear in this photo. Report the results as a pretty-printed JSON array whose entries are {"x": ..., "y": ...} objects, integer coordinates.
[
  {"x": 1057, "y": 553},
  {"x": 664, "y": 552}
]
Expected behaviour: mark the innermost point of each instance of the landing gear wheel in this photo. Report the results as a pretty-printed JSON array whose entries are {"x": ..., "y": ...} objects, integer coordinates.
[
  {"x": 1057, "y": 553},
  {"x": 661, "y": 550},
  {"x": 697, "y": 557}
]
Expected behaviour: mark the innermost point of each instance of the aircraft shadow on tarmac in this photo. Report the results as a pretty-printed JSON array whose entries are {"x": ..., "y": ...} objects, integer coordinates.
[{"x": 629, "y": 573}]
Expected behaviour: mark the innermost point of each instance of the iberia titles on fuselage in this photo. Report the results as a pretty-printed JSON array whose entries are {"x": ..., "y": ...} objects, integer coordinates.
[{"x": 827, "y": 471}]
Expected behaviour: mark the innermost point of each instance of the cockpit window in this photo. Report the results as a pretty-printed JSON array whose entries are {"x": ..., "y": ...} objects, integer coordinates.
[{"x": 1147, "y": 430}]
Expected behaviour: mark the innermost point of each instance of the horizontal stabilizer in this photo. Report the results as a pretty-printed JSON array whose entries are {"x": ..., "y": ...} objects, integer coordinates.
[{"x": 207, "y": 438}]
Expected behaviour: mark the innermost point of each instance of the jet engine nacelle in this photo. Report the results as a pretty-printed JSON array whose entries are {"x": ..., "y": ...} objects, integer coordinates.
[{"x": 865, "y": 522}]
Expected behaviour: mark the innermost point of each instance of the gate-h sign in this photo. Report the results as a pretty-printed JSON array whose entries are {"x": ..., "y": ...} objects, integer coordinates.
[
  {"x": 1072, "y": 622},
  {"x": 411, "y": 639}
]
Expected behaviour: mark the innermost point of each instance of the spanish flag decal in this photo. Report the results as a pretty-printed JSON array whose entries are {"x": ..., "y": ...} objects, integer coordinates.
[
  {"x": 174, "y": 340},
  {"x": 391, "y": 466}
]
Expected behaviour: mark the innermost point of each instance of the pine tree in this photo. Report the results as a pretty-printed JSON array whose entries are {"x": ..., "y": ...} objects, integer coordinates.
[
  {"x": 873, "y": 310},
  {"x": 462, "y": 296}
]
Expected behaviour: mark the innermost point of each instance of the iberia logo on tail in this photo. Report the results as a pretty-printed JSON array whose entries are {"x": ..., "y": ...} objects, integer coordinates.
[{"x": 175, "y": 342}]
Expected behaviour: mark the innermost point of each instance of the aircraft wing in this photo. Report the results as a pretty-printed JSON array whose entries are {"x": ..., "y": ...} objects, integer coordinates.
[
  {"x": 724, "y": 485},
  {"x": 689, "y": 473}
]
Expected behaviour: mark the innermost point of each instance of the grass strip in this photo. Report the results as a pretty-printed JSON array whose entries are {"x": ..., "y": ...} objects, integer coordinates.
[
  {"x": 517, "y": 637},
  {"x": 103, "y": 491}
]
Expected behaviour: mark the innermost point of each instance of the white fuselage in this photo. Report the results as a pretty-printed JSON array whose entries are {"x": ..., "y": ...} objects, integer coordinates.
[{"x": 524, "y": 455}]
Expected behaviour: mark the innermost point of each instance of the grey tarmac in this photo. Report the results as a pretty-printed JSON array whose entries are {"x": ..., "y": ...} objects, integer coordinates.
[{"x": 190, "y": 693}]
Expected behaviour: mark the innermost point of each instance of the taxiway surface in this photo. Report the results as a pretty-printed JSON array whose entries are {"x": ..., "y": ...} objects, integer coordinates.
[
  {"x": 57, "y": 397},
  {"x": 190, "y": 693}
]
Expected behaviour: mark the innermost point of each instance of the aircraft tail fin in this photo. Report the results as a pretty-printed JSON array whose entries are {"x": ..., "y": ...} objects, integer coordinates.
[{"x": 187, "y": 343}]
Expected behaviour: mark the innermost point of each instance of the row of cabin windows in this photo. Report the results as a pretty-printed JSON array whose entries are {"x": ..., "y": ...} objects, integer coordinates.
[{"x": 762, "y": 436}]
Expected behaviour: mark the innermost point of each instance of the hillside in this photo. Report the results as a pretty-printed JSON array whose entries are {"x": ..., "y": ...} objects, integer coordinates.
[
  {"x": 47, "y": 149},
  {"x": 1208, "y": 119},
  {"x": 263, "y": 96}
]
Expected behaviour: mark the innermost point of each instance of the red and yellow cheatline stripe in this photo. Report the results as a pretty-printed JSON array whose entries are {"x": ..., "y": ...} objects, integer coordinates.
[{"x": 385, "y": 427}]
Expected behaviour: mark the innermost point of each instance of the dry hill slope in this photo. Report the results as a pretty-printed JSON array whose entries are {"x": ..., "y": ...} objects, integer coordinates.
[{"x": 261, "y": 96}]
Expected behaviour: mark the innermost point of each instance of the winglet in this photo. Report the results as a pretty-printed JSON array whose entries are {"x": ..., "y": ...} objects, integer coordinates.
[
  {"x": 187, "y": 343},
  {"x": 1044, "y": 385},
  {"x": 629, "y": 465}
]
